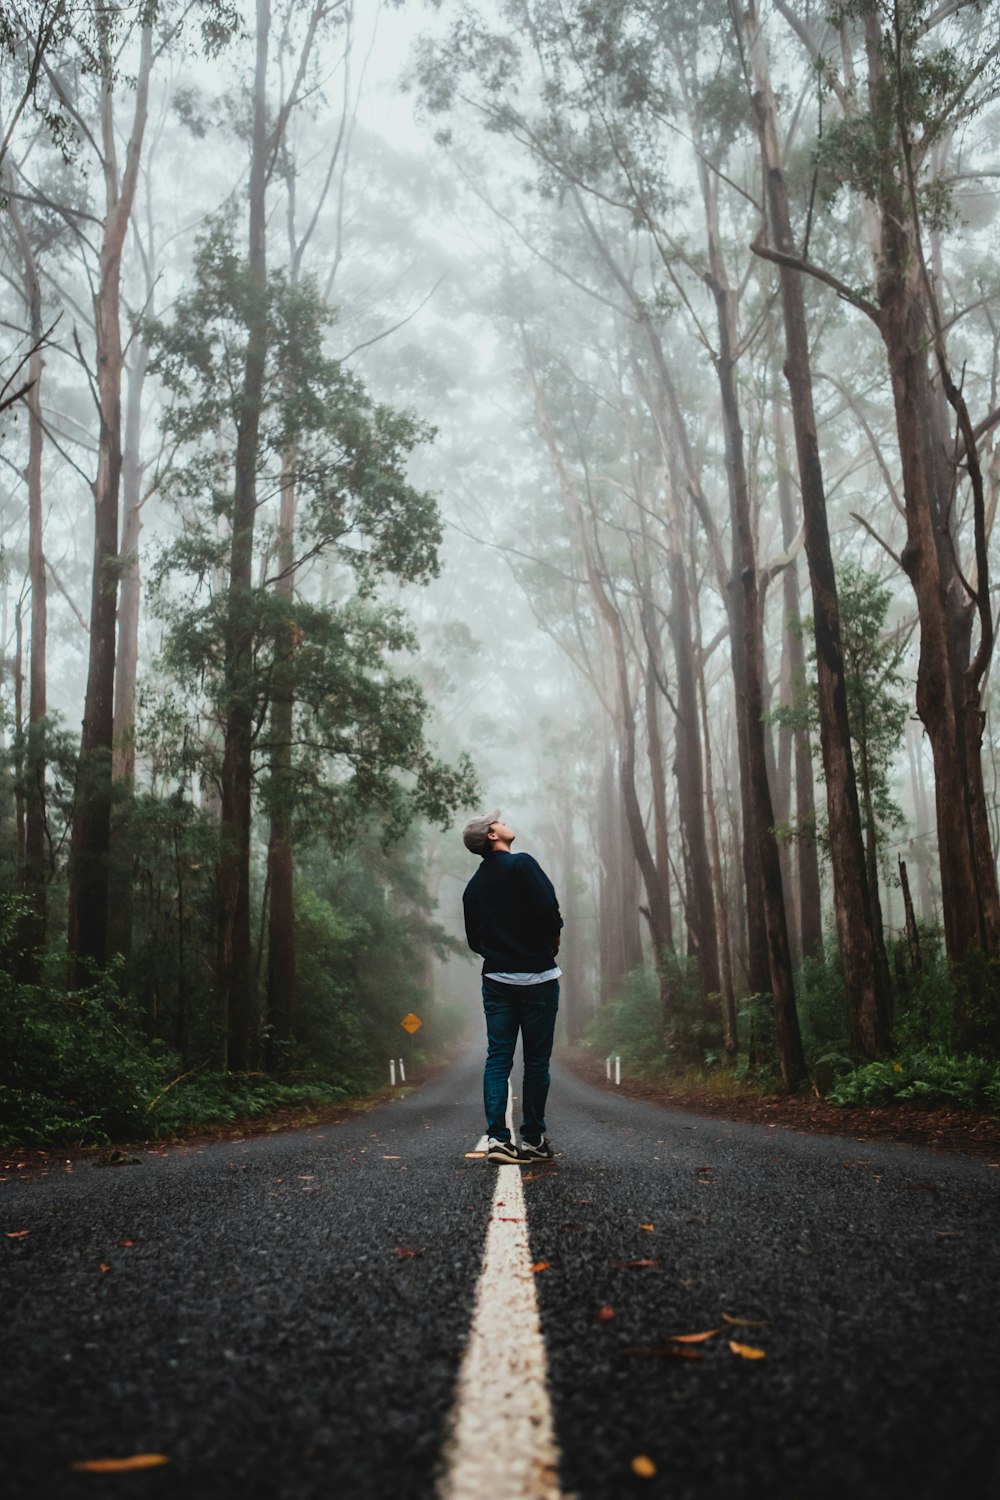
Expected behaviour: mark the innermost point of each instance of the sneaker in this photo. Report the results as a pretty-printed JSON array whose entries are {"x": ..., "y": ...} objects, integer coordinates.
[
  {"x": 542, "y": 1152},
  {"x": 503, "y": 1151}
]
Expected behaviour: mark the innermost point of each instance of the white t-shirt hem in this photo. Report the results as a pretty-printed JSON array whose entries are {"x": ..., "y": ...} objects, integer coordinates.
[{"x": 542, "y": 977}]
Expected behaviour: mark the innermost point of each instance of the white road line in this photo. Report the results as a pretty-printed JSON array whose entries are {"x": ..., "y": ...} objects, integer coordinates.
[{"x": 502, "y": 1443}]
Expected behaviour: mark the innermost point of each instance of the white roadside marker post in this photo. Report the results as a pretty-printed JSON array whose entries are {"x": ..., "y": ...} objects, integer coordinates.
[
  {"x": 618, "y": 1070},
  {"x": 392, "y": 1072},
  {"x": 402, "y": 1072},
  {"x": 607, "y": 1067}
]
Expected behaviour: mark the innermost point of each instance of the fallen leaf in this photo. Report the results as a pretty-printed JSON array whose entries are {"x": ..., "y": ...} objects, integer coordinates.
[
  {"x": 643, "y": 1466},
  {"x": 16, "y": 1234},
  {"x": 405, "y": 1254},
  {"x": 126, "y": 1244},
  {"x": 745, "y": 1322},
  {"x": 632, "y": 1265},
  {"x": 105, "y": 1266},
  {"x": 694, "y": 1338},
  {"x": 122, "y": 1465},
  {"x": 501, "y": 1220},
  {"x": 392, "y": 1158},
  {"x": 670, "y": 1351},
  {"x": 651, "y": 1227},
  {"x": 307, "y": 1176},
  {"x": 747, "y": 1351},
  {"x": 570, "y": 1225},
  {"x": 541, "y": 1265},
  {"x": 605, "y": 1314}
]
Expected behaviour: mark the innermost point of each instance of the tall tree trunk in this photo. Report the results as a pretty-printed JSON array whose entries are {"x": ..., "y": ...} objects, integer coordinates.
[
  {"x": 126, "y": 667},
  {"x": 280, "y": 867},
  {"x": 690, "y": 772},
  {"x": 810, "y": 906},
  {"x": 729, "y": 1025},
  {"x": 861, "y": 946},
  {"x": 91, "y": 835},
  {"x": 234, "y": 976},
  {"x": 674, "y": 422},
  {"x": 32, "y": 934},
  {"x": 762, "y": 862},
  {"x": 949, "y": 683}
]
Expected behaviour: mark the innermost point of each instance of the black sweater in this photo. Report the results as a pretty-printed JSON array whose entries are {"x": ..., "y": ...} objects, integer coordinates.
[{"x": 512, "y": 915}]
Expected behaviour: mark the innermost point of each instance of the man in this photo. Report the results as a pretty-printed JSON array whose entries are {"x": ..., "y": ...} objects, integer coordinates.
[{"x": 512, "y": 919}]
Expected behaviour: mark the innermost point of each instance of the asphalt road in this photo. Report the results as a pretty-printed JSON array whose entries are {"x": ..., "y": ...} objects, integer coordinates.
[{"x": 289, "y": 1317}]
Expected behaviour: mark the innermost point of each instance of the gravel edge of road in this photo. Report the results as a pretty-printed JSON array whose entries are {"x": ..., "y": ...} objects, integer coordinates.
[
  {"x": 962, "y": 1132},
  {"x": 32, "y": 1161}
]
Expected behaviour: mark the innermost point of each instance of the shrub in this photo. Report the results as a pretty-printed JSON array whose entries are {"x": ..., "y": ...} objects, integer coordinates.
[
  {"x": 926, "y": 1077},
  {"x": 73, "y": 1066},
  {"x": 631, "y": 1025}
]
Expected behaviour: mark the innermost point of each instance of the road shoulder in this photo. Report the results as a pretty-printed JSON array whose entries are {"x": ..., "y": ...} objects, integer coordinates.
[{"x": 963, "y": 1132}]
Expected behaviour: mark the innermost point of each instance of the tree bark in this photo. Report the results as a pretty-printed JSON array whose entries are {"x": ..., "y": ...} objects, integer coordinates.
[
  {"x": 280, "y": 866},
  {"x": 861, "y": 946},
  {"x": 762, "y": 861},
  {"x": 126, "y": 668},
  {"x": 688, "y": 763},
  {"x": 949, "y": 677},
  {"x": 34, "y": 872},
  {"x": 807, "y": 861},
  {"x": 91, "y": 835},
  {"x": 234, "y": 970}
]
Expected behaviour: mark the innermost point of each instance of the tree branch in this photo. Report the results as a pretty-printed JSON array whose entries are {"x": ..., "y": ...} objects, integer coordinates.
[{"x": 795, "y": 263}]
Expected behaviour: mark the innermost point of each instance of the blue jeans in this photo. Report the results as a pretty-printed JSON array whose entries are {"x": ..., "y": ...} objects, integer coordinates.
[{"x": 530, "y": 1009}]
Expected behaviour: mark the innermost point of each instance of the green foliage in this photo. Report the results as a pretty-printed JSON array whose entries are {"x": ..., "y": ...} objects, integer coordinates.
[
  {"x": 320, "y": 432},
  {"x": 365, "y": 932},
  {"x": 631, "y": 1025},
  {"x": 876, "y": 702},
  {"x": 690, "y": 1037},
  {"x": 822, "y": 1007},
  {"x": 357, "y": 733},
  {"x": 923, "y": 89},
  {"x": 926, "y": 1077},
  {"x": 758, "y": 1042},
  {"x": 73, "y": 1065},
  {"x": 208, "y": 1099}
]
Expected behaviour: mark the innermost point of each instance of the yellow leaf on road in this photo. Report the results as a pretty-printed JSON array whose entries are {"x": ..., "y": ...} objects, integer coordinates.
[
  {"x": 541, "y": 1265},
  {"x": 122, "y": 1465},
  {"x": 694, "y": 1338},
  {"x": 745, "y": 1322},
  {"x": 643, "y": 1466},
  {"x": 747, "y": 1351},
  {"x": 647, "y": 1226}
]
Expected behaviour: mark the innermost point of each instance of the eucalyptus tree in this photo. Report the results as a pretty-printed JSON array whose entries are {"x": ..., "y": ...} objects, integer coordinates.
[
  {"x": 901, "y": 78},
  {"x": 92, "y": 83},
  {"x": 859, "y": 929},
  {"x": 32, "y": 855},
  {"x": 357, "y": 728}
]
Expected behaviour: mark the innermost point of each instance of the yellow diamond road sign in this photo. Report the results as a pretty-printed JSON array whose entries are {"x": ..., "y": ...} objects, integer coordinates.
[{"x": 411, "y": 1023}]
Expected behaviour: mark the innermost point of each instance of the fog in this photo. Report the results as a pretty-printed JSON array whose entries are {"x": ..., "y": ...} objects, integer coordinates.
[{"x": 687, "y": 322}]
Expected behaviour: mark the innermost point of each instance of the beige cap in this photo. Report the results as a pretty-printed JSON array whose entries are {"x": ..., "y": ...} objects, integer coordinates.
[{"x": 474, "y": 833}]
